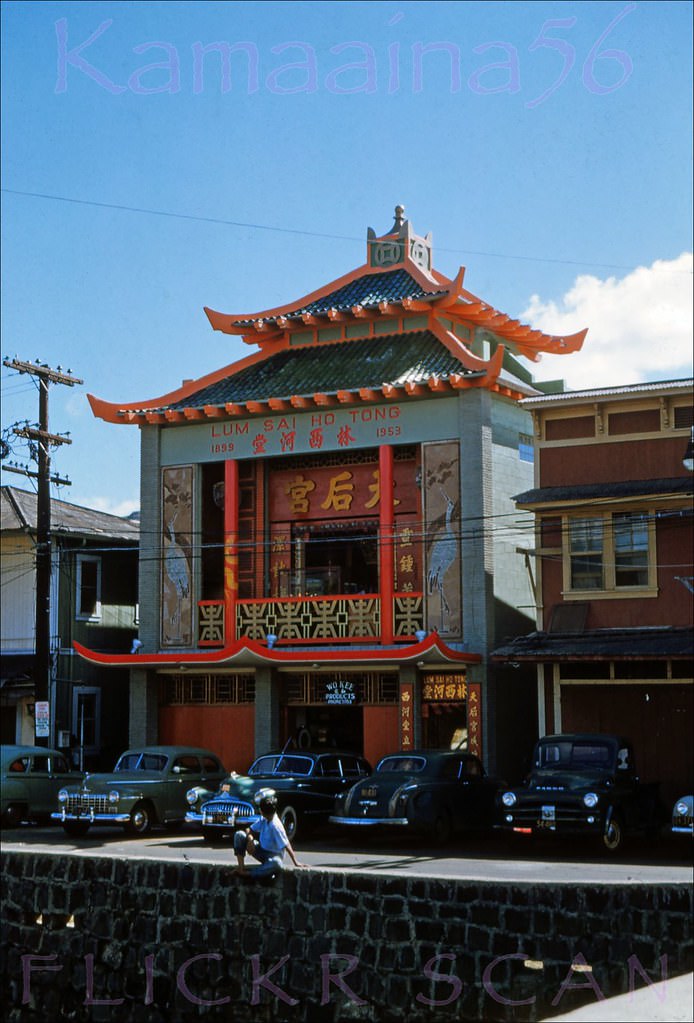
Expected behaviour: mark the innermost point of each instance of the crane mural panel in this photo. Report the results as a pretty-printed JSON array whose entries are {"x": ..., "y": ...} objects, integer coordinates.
[
  {"x": 441, "y": 477},
  {"x": 176, "y": 577}
]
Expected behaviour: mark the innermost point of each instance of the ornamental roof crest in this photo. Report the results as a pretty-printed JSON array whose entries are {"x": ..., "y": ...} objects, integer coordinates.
[{"x": 399, "y": 245}]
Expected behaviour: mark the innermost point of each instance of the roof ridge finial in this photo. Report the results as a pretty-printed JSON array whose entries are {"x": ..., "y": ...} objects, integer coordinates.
[
  {"x": 399, "y": 246},
  {"x": 400, "y": 218}
]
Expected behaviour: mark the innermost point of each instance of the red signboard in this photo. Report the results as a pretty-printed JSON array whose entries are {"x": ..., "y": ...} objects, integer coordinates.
[
  {"x": 474, "y": 718},
  {"x": 444, "y": 686},
  {"x": 406, "y": 715},
  {"x": 331, "y": 492}
]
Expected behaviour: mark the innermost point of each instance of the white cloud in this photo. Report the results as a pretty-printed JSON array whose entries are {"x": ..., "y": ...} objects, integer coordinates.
[
  {"x": 106, "y": 504},
  {"x": 639, "y": 326}
]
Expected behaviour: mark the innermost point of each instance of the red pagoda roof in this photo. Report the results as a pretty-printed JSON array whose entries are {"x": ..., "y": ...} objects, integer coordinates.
[{"x": 392, "y": 328}]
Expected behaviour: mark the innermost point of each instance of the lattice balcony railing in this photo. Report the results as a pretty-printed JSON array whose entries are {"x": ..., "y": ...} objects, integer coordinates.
[{"x": 342, "y": 619}]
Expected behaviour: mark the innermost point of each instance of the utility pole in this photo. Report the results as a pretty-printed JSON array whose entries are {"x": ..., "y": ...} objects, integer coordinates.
[{"x": 44, "y": 440}]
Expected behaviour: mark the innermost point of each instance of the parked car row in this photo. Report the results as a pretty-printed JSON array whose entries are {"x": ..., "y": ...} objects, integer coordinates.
[
  {"x": 306, "y": 785},
  {"x": 578, "y": 785}
]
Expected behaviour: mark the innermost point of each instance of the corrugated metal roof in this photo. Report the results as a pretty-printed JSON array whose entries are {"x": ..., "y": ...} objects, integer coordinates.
[
  {"x": 369, "y": 290},
  {"x": 587, "y": 491},
  {"x": 600, "y": 644},
  {"x": 626, "y": 390},
  {"x": 18, "y": 512},
  {"x": 326, "y": 368}
]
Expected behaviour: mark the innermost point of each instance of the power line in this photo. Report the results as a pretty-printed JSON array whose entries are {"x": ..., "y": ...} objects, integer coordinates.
[{"x": 251, "y": 226}]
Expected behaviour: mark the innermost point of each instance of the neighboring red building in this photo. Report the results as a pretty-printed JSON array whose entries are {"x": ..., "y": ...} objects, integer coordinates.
[
  {"x": 328, "y": 533},
  {"x": 615, "y": 571}
]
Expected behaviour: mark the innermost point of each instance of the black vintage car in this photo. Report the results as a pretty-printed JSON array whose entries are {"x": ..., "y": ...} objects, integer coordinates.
[
  {"x": 432, "y": 793},
  {"x": 683, "y": 816},
  {"x": 305, "y": 784},
  {"x": 582, "y": 784}
]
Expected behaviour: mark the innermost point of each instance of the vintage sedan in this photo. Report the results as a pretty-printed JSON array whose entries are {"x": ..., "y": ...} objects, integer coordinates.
[
  {"x": 582, "y": 784},
  {"x": 30, "y": 778},
  {"x": 426, "y": 792},
  {"x": 683, "y": 816},
  {"x": 305, "y": 784},
  {"x": 147, "y": 787}
]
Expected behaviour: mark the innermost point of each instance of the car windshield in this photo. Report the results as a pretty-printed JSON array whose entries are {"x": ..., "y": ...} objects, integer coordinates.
[
  {"x": 141, "y": 762},
  {"x": 578, "y": 754},
  {"x": 407, "y": 764},
  {"x": 279, "y": 763}
]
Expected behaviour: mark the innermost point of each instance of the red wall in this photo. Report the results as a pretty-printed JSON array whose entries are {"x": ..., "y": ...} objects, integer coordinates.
[
  {"x": 381, "y": 732},
  {"x": 611, "y": 463},
  {"x": 674, "y": 603},
  {"x": 226, "y": 731}
]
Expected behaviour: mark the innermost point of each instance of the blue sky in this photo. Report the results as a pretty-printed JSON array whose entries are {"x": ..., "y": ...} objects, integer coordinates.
[{"x": 135, "y": 195}]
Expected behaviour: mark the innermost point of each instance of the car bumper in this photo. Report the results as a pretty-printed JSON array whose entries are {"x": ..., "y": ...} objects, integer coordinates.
[
  {"x": 202, "y": 820},
  {"x": 398, "y": 822},
  {"x": 90, "y": 817},
  {"x": 566, "y": 824}
]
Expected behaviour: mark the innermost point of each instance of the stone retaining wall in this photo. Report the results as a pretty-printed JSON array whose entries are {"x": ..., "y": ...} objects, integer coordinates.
[{"x": 129, "y": 940}]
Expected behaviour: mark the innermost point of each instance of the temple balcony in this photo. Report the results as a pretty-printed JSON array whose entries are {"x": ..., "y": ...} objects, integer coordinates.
[{"x": 353, "y": 618}]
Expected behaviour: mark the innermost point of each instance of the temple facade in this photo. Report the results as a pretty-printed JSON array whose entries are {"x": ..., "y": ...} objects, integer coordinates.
[{"x": 329, "y": 542}]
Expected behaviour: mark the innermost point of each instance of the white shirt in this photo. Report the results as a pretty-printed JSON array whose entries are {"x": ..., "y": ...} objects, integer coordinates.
[{"x": 271, "y": 835}]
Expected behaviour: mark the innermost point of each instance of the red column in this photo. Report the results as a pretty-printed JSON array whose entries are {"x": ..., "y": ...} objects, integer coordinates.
[
  {"x": 386, "y": 546},
  {"x": 231, "y": 557}
]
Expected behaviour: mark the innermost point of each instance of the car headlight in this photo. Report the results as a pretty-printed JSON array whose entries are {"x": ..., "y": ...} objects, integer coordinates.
[
  {"x": 191, "y": 797},
  {"x": 591, "y": 799},
  {"x": 113, "y": 796},
  {"x": 509, "y": 799},
  {"x": 62, "y": 796},
  {"x": 681, "y": 809}
]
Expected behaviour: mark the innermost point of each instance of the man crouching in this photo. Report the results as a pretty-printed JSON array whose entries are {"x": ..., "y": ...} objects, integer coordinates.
[{"x": 266, "y": 841}]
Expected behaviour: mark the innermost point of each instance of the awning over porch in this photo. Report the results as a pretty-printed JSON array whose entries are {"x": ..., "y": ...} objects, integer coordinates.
[{"x": 655, "y": 643}]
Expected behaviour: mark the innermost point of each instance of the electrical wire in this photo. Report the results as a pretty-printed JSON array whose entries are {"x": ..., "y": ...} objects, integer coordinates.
[{"x": 251, "y": 226}]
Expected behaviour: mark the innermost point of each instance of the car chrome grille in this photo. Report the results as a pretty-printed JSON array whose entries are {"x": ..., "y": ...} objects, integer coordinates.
[
  {"x": 86, "y": 802},
  {"x": 546, "y": 816},
  {"x": 220, "y": 812}
]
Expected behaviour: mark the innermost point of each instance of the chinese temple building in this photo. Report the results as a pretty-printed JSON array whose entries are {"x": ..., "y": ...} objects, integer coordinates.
[{"x": 328, "y": 535}]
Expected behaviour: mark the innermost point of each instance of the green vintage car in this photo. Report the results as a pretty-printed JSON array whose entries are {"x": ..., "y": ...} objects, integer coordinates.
[
  {"x": 30, "y": 777},
  {"x": 147, "y": 787}
]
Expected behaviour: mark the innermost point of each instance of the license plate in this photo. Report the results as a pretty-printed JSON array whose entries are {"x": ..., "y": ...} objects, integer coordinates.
[{"x": 547, "y": 818}]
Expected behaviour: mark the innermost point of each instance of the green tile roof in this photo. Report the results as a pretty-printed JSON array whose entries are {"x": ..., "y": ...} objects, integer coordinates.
[
  {"x": 367, "y": 291},
  {"x": 326, "y": 368}
]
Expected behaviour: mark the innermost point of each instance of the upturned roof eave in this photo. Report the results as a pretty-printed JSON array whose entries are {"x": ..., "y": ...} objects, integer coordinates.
[
  {"x": 240, "y": 323},
  {"x": 453, "y": 300},
  {"x": 244, "y": 652},
  {"x": 473, "y": 372}
]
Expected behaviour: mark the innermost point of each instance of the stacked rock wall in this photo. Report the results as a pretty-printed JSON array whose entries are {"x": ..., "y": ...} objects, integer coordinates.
[{"x": 128, "y": 940}]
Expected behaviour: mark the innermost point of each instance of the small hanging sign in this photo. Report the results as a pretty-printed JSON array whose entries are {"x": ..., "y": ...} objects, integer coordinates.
[
  {"x": 341, "y": 692},
  {"x": 42, "y": 719}
]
